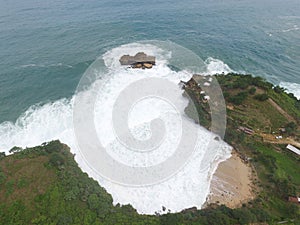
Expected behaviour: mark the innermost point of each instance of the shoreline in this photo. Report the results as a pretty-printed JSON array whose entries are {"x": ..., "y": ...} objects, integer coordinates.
[{"x": 232, "y": 183}]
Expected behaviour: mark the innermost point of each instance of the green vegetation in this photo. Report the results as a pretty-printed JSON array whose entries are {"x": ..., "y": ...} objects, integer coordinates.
[
  {"x": 257, "y": 109},
  {"x": 239, "y": 98},
  {"x": 252, "y": 90},
  {"x": 198, "y": 112},
  {"x": 251, "y": 103},
  {"x": 291, "y": 128},
  {"x": 288, "y": 102},
  {"x": 44, "y": 185},
  {"x": 261, "y": 97}
]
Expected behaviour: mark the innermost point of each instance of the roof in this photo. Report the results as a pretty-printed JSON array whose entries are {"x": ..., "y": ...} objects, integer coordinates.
[
  {"x": 246, "y": 130},
  {"x": 294, "y": 199},
  {"x": 293, "y": 149}
]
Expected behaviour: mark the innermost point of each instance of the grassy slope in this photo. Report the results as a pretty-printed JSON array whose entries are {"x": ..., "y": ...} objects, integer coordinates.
[
  {"x": 43, "y": 185},
  {"x": 277, "y": 168}
]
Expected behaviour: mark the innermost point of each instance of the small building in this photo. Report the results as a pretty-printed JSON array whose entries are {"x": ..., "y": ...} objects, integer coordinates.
[
  {"x": 210, "y": 79},
  {"x": 294, "y": 199},
  {"x": 206, "y": 84},
  {"x": 206, "y": 97},
  {"x": 282, "y": 130},
  {"x": 293, "y": 149},
  {"x": 246, "y": 130}
]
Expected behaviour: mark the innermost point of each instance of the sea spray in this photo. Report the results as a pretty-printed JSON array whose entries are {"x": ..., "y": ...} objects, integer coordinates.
[
  {"x": 291, "y": 88},
  {"x": 187, "y": 188}
]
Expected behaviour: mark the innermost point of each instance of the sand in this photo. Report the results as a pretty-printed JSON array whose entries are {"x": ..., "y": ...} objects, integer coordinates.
[{"x": 232, "y": 183}]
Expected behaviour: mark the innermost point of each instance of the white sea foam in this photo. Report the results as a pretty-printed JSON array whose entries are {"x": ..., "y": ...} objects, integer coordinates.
[
  {"x": 216, "y": 66},
  {"x": 289, "y": 17},
  {"x": 28, "y": 65},
  {"x": 45, "y": 65},
  {"x": 294, "y": 28},
  {"x": 187, "y": 188},
  {"x": 292, "y": 88}
]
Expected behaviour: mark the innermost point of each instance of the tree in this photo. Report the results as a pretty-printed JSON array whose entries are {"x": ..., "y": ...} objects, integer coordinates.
[
  {"x": 56, "y": 159},
  {"x": 93, "y": 202},
  {"x": 15, "y": 149},
  {"x": 278, "y": 89},
  {"x": 2, "y": 155},
  {"x": 53, "y": 146}
]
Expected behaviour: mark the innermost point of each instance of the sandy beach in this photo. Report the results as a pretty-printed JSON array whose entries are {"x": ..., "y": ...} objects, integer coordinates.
[{"x": 232, "y": 183}]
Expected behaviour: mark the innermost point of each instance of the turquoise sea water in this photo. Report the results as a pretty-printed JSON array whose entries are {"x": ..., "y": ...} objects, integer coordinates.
[{"x": 45, "y": 46}]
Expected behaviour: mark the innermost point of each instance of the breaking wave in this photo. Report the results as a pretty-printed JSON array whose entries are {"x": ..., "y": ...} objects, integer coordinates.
[
  {"x": 187, "y": 188},
  {"x": 292, "y": 88},
  {"x": 216, "y": 66}
]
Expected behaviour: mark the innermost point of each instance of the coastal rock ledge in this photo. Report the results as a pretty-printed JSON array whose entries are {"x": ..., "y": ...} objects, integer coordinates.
[{"x": 139, "y": 61}]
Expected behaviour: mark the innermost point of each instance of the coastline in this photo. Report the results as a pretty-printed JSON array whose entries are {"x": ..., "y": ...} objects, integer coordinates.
[{"x": 232, "y": 183}]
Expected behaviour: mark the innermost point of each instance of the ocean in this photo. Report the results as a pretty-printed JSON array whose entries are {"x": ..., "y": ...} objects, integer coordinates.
[{"x": 45, "y": 48}]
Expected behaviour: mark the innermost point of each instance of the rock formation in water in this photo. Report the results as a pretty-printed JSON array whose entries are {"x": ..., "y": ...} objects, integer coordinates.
[{"x": 139, "y": 61}]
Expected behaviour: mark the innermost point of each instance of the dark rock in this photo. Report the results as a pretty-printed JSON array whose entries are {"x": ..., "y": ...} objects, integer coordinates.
[
  {"x": 193, "y": 209},
  {"x": 217, "y": 138},
  {"x": 139, "y": 58}
]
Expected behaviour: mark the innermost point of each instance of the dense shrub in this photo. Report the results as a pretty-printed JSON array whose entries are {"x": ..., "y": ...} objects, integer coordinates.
[
  {"x": 241, "y": 83},
  {"x": 53, "y": 146},
  {"x": 261, "y": 97},
  {"x": 252, "y": 90},
  {"x": 2, "y": 176},
  {"x": 239, "y": 98},
  {"x": 15, "y": 149},
  {"x": 278, "y": 89},
  {"x": 291, "y": 127},
  {"x": 56, "y": 159},
  {"x": 297, "y": 104},
  {"x": 2, "y": 155},
  {"x": 262, "y": 83}
]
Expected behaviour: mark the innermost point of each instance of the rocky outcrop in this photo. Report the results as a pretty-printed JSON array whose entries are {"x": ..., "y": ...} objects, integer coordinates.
[{"x": 140, "y": 60}]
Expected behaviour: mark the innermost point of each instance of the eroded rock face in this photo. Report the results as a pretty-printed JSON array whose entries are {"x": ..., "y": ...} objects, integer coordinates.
[
  {"x": 148, "y": 65},
  {"x": 140, "y": 60}
]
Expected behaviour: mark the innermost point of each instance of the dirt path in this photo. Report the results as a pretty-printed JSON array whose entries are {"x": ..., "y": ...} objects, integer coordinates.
[
  {"x": 284, "y": 113},
  {"x": 271, "y": 139}
]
